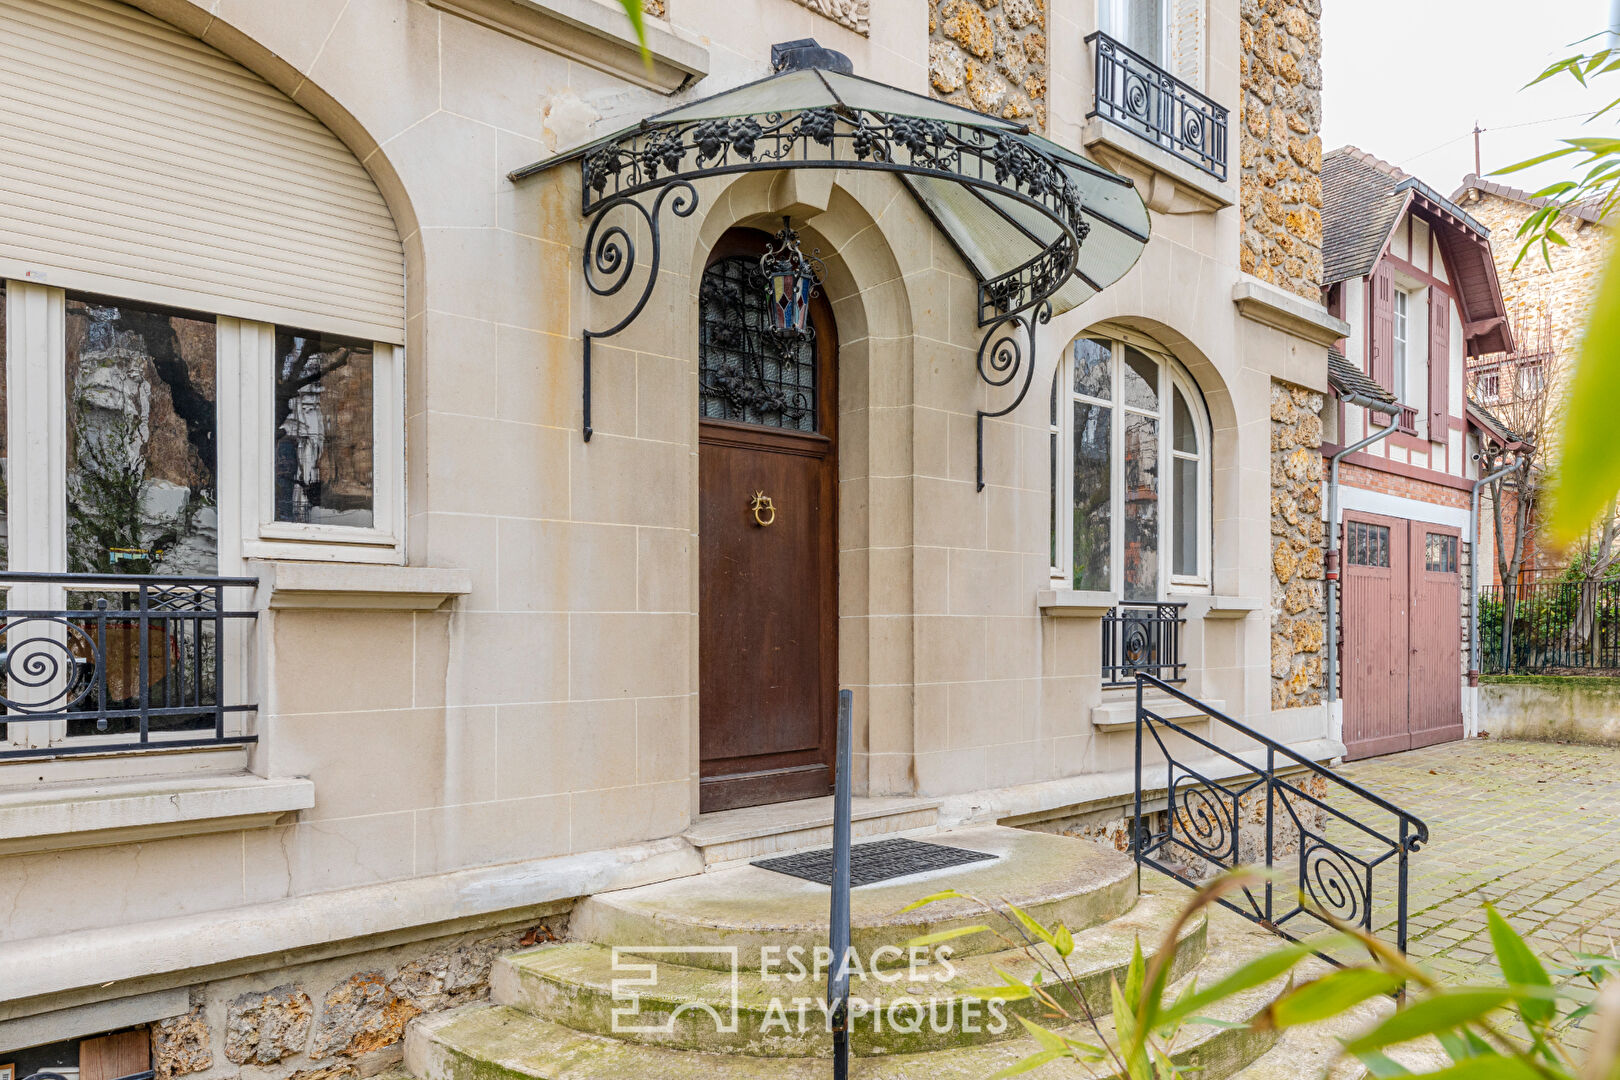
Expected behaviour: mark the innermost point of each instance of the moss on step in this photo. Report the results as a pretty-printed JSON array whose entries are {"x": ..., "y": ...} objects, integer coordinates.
[{"x": 775, "y": 1016}]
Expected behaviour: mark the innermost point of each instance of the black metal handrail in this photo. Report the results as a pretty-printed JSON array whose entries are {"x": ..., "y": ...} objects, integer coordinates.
[
  {"x": 1138, "y": 95},
  {"x": 143, "y": 656},
  {"x": 1204, "y": 819},
  {"x": 1143, "y": 637}
]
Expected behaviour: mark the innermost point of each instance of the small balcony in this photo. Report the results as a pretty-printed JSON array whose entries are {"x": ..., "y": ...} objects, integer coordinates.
[
  {"x": 1143, "y": 638},
  {"x": 108, "y": 663},
  {"x": 1136, "y": 95}
]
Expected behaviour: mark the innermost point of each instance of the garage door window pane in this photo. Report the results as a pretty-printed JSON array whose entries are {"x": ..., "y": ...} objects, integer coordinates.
[{"x": 324, "y": 429}]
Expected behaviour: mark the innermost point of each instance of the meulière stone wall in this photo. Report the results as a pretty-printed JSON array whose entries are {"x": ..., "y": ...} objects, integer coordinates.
[
  {"x": 1297, "y": 534},
  {"x": 990, "y": 55},
  {"x": 1280, "y": 145}
]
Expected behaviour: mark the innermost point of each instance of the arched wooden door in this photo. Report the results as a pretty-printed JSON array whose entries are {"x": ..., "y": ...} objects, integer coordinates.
[{"x": 767, "y": 540}]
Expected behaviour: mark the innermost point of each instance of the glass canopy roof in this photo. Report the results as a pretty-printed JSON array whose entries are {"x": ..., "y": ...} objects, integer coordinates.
[{"x": 1016, "y": 206}]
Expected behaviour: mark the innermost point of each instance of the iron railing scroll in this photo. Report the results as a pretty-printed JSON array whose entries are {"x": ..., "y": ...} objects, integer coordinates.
[
  {"x": 1143, "y": 638},
  {"x": 1143, "y": 98},
  {"x": 838, "y": 931},
  {"x": 102, "y": 663},
  {"x": 1329, "y": 842}
]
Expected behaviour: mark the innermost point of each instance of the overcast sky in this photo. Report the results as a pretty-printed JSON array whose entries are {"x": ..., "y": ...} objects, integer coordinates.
[{"x": 1407, "y": 79}]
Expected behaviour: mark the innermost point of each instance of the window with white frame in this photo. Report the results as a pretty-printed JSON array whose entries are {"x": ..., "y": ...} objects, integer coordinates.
[
  {"x": 144, "y": 440},
  {"x": 1403, "y": 302},
  {"x": 1488, "y": 384},
  {"x": 1129, "y": 444}
]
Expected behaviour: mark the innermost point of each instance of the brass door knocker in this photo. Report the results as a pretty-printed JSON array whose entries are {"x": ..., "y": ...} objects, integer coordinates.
[{"x": 764, "y": 511}]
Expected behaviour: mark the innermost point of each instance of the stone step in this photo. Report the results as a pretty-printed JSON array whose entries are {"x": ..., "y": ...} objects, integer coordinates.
[
  {"x": 740, "y": 910},
  {"x": 574, "y": 985},
  {"x": 755, "y": 832},
  {"x": 496, "y": 1042}
]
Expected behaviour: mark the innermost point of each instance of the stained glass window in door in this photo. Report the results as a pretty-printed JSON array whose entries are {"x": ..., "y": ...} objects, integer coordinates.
[{"x": 746, "y": 373}]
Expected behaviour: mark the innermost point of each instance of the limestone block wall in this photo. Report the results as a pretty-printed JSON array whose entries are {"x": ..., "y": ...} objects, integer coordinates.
[
  {"x": 1279, "y": 143},
  {"x": 990, "y": 55},
  {"x": 1298, "y": 603}
]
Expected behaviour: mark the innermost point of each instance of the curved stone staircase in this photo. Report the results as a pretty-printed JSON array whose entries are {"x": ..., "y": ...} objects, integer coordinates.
[{"x": 554, "y": 1014}]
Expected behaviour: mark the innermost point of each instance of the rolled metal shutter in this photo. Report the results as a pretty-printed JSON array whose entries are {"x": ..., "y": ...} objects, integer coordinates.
[{"x": 136, "y": 161}]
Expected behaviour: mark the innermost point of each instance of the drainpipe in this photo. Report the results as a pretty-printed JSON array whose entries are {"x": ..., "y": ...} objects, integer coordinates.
[
  {"x": 1473, "y": 576},
  {"x": 1332, "y": 659}
]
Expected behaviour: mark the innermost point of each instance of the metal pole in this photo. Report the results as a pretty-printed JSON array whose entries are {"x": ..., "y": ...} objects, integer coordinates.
[
  {"x": 1332, "y": 648},
  {"x": 838, "y": 928},
  {"x": 1473, "y": 575}
]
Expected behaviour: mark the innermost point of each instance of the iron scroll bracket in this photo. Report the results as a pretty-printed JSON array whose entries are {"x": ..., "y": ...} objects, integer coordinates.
[{"x": 1001, "y": 360}]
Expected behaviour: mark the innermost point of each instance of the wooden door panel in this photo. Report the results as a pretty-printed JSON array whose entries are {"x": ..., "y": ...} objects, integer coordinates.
[
  {"x": 111, "y": 1056},
  {"x": 1435, "y": 689},
  {"x": 767, "y": 593},
  {"x": 1375, "y": 659},
  {"x": 760, "y": 649}
]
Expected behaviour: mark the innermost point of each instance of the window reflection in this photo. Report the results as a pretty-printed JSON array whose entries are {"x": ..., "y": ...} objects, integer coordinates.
[
  {"x": 1093, "y": 501},
  {"x": 141, "y": 473},
  {"x": 1141, "y": 507},
  {"x": 323, "y": 409}
]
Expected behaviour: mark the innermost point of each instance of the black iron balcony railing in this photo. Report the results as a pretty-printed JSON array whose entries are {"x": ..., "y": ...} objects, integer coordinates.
[
  {"x": 1142, "y": 98},
  {"x": 100, "y": 663},
  {"x": 1337, "y": 851},
  {"x": 1143, "y": 639}
]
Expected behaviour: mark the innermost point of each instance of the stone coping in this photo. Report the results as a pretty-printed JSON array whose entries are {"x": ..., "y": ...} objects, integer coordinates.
[
  {"x": 285, "y": 583},
  {"x": 1282, "y": 310},
  {"x": 593, "y": 33},
  {"x": 173, "y": 950},
  {"x": 51, "y": 817}
]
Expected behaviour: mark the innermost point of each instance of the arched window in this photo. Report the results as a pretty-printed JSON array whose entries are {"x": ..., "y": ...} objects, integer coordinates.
[{"x": 1130, "y": 477}]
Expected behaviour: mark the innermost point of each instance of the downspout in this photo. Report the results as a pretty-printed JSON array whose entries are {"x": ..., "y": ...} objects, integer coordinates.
[
  {"x": 1473, "y": 558},
  {"x": 1332, "y": 659}
]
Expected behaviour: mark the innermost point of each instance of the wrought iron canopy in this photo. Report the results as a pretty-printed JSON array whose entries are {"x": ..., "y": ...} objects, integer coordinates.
[{"x": 1042, "y": 228}]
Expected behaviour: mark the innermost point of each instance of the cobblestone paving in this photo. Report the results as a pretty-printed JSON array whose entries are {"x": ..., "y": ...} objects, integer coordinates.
[{"x": 1534, "y": 828}]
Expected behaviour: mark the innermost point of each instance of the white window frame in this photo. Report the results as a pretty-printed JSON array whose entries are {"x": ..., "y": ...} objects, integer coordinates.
[
  {"x": 1172, "y": 377},
  {"x": 248, "y": 401},
  {"x": 1400, "y": 320},
  {"x": 36, "y": 471}
]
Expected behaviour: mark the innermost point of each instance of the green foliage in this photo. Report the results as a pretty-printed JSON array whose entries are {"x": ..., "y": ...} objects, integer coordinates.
[
  {"x": 632, "y": 11},
  {"x": 1133, "y": 1035},
  {"x": 1586, "y": 476}
]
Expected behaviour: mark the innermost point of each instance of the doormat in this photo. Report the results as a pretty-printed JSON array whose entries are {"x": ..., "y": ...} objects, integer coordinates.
[{"x": 873, "y": 862}]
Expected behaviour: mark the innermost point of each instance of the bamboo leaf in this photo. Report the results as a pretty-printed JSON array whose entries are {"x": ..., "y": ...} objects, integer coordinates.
[
  {"x": 1260, "y": 970},
  {"x": 1489, "y": 1067},
  {"x": 1034, "y": 1061},
  {"x": 1587, "y": 472},
  {"x": 1032, "y": 926},
  {"x": 1381, "y": 1065},
  {"x": 1445, "y": 1011},
  {"x": 638, "y": 23},
  {"x": 946, "y": 935},
  {"x": 1519, "y": 965},
  {"x": 1328, "y": 996},
  {"x": 1532, "y": 162},
  {"x": 1063, "y": 941},
  {"x": 948, "y": 894},
  {"x": 999, "y": 993},
  {"x": 1048, "y": 1039}
]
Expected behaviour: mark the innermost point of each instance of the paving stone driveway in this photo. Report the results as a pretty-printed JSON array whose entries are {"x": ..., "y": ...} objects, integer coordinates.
[{"x": 1532, "y": 827}]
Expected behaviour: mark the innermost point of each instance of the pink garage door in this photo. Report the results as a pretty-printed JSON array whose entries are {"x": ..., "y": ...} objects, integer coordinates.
[{"x": 1402, "y": 644}]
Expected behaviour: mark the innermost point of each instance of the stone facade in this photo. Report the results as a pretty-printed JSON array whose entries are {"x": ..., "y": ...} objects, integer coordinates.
[
  {"x": 1547, "y": 299},
  {"x": 334, "y": 1018},
  {"x": 851, "y": 14},
  {"x": 990, "y": 55},
  {"x": 1280, "y": 145},
  {"x": 1297, "y": 537}
]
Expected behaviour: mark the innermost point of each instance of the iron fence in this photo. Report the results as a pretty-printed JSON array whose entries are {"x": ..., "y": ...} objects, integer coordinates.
[
  {"x": 1143, "y": 638},
  {"x": 1334, "y": 847},
  {"x": 1142, "y": 97},
  {"x": 99, "y": 663},
  {"x": 1550, "y": 625}
]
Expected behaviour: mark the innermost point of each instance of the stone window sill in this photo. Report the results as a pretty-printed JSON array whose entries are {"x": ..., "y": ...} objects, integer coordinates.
[
  {"x": 1282, "y": 310},
  {"x": 1121, "y": 715},
  {"x": 1224, "y": 607},
  {"x": 1076, "y": 603},
  {"x": 52, "y": 817},
  {"x": 593, "y": 33},
  {"x": 357, "y": 586},
  {"x": 1170, "y": 185}
]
